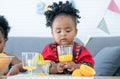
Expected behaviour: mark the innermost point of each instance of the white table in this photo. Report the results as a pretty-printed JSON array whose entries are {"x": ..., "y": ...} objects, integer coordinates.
[
  {"x": 58, "y": 77},
  {"x": 46, "y": 77}
]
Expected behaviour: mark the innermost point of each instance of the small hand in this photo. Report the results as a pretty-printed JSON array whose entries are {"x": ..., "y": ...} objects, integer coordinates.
[
  {"x": 70, "y": 66},
  {"x": 13, "y": 71},
  {"x": 60, "y": 67}
]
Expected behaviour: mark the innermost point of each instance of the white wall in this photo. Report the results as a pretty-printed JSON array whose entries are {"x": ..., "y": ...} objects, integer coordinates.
[{"x": 25, "y": 21}]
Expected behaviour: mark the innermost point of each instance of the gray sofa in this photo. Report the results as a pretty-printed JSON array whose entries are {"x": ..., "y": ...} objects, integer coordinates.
[{"x": 17, "y": 45}]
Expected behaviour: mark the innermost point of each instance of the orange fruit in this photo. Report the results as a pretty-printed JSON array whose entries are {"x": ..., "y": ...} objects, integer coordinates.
[
  {"x": 65, "y": 58},
  {"x": 4, "y": 61},
  {"x": 77, "y": 72},
  {"x": 87, "y": 70}
]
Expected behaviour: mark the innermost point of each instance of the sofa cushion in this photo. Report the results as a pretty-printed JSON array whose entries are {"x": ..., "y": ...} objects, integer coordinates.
[
  {"x": 95, "y": 44},
  {"x": 107, "y": 61}
]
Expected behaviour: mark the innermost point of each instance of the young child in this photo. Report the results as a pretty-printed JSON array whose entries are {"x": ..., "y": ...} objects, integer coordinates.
[
  {"x": 62, "y": 18},
  {"x": 4, "y": 29}
]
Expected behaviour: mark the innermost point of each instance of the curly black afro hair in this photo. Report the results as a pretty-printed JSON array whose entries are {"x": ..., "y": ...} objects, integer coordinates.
[
  {"x": 4, "y": 26},
  {"x": 60, "y": 9}
]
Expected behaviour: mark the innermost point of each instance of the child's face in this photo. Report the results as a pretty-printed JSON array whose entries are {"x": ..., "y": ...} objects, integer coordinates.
[
  {"x": 2, "y": 42},
  {"x": 64, "y": 30}
]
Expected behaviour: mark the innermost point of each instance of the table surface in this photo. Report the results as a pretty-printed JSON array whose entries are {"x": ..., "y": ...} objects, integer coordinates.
[
  {"x": 46, "y": 77},
  {"x": 106, "y": 77},
  {"x": 58, "y": 77}
]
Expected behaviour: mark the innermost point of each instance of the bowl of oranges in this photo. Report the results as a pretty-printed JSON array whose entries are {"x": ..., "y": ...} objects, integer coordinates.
[{"x": 4, "y": 62}]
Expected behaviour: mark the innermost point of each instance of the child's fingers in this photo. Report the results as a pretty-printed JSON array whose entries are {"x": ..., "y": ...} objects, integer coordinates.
[
  {"x": 71, "y": 69},
  {"x": 70, "y": 66},
  {"x": 60, "y": 67},
  {"x": 60, "y": 70},
  {"x": 13, "y": 72}
]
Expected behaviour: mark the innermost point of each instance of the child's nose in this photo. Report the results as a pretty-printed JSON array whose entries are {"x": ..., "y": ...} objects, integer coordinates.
[{"x": 63, "y": 33}]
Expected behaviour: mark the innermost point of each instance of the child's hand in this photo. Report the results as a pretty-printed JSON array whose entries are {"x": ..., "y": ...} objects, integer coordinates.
[
  {"x": 70, "y": 65},
  {"x": 60, "y": 67},
  {"x": 13, "y": 71}
]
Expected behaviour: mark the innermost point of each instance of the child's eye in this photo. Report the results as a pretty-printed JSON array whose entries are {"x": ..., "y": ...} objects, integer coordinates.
[
  {"x": 68, "y": 30},
  {"x": 58, "y": 31}
]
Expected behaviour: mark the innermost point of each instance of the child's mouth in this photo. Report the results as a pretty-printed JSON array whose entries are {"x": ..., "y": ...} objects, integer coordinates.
[{"x": 63, "y": 40}]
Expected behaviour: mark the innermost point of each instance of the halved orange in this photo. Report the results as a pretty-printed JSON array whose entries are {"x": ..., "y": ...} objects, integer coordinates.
[
  {"x": 87, "y": 70},
  {"x": 77, "y": 72}
]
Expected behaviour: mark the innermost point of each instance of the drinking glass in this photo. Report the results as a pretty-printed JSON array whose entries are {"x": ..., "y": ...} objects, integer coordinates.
[
  {"x": 28, "y": 61},
  {"x": 65, "y": 53}
]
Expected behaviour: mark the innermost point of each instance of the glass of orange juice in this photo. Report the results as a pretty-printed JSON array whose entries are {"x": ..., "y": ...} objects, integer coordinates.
[
  {"x": 65, "y": 53},
  {"x": 28, "y": 61}
]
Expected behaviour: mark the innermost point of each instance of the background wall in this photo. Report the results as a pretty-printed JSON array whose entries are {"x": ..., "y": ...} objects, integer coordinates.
[{"x": 26, "y": 18}]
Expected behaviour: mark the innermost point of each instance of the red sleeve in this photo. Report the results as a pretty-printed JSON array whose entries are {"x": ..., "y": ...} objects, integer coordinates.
[
  {"x": 48, "y": 53},
  {"x": 86, "y": 56}
]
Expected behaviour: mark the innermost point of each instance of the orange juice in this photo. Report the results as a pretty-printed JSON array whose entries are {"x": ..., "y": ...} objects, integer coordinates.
[
  {"x": 65, "y": 58},
  {"x": 41, "y": 74},
  {"x": 29, "y": 67}
]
